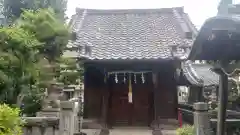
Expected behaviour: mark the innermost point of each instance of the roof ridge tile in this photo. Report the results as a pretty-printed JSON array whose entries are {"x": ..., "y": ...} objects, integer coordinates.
[
  {"x": 183, "y": 25},
  {"x": 80, "y": 21},
  {"x": 147, "y": 10}
]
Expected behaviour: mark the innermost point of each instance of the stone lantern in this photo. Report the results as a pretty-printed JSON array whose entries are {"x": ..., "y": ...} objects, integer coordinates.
[
  {"x": 219, "y": 40},
  {"x": 51, "y": 104}
]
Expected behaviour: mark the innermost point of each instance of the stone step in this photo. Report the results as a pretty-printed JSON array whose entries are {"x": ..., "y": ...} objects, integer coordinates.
[
  {"x": 169, "y": 124},
  {"x": 91, "y": 131},
  {"x": 127, "y": 131},
  {"x": 137, "y": 131},
  {"x": 169, "y": 132},
  {"x": 168, "y": 127},
  {"x": 81, "y": 133},
  {"x": 91, "y": 124}
]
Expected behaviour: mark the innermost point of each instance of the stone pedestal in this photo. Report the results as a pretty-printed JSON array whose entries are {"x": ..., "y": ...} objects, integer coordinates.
[
  {"x": 202, "y": 119},
  {"x": 49, "y": 112}
]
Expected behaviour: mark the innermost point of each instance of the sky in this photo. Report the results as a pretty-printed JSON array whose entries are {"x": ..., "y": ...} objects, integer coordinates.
[{"x": 198, "y": 10}]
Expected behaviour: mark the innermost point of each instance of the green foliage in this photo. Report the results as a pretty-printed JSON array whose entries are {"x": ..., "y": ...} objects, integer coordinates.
[
  {"x": 231, "y": 68},
  {"x": 186, "y": 130},
  {"x": 10, "y": 121},
  {"x": 53, "y": 36},
  {"x": 70, "y": 72},
  {"x": 14, "y": 8},
  {"x": 18, "y": 52},
  {"x": 50, "y": 31},
  {"x": 32, "y": 100},
  {"x": 58, "y": 6},
  {"x": 36, "y": 35},
  {"x": 233, "y": 89}
]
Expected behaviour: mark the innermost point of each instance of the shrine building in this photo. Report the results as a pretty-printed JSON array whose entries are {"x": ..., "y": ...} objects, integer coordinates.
[{"x": 131, "y": 60}]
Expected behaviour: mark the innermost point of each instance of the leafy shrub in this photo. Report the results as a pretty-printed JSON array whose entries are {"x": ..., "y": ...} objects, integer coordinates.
[
  {"x": 10, "y": 121},
  {"x": 185, "y": 130},
  {"x": 32, "y": 101}
]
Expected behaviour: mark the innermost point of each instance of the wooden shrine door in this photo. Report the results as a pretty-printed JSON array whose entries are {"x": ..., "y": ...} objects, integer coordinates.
[
  {"x": 124, "y": 113},
  {"x": 141, "y": 105},
  {"x": 120, "y": 109}
]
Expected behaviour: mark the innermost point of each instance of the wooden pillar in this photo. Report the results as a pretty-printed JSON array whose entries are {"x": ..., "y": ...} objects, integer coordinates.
[
  {"x": 156, "y": 121},
  {"x": 155, "y": 88},
  {"x": 105, "y": 109}
]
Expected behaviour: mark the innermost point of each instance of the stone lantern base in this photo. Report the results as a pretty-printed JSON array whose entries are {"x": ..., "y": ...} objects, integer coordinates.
[{"x": 49, "y": 112}]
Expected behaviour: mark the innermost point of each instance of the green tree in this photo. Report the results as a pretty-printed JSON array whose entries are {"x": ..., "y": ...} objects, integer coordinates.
[
  {"x": 35, "y": 36},
  {"x": 14, "y": 8},
  {"x": 18, "y": 52},
  {"x": 53, "y": 35},
  {"x": 48, "y": 30}
]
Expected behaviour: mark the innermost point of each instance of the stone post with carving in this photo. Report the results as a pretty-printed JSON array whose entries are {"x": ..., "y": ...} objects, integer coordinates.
[
  {"x": 202, "y": 119},
  {"x": 51, "y": 104},
  {"x": 66, "y": 125}
]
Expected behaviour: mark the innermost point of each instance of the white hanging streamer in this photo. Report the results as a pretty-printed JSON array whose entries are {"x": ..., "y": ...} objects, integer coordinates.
[
  {"x": 143, "y": 79},
  {"x": 116, "y": 78},
  {"x": 135, "y": 78},
  {"x": 124, "y": 75},
  {"x": 129, "y": 72},
  {"x": 124, "y": 78}
]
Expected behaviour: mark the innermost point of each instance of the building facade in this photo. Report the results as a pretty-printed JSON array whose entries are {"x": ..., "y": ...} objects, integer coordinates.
[{"x": 130, "y": 59}]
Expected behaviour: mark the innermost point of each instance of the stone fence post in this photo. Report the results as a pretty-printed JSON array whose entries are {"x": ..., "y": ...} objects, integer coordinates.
[
  {"x": 66, "y": 125},
  {"x": 202, "y": 119}
]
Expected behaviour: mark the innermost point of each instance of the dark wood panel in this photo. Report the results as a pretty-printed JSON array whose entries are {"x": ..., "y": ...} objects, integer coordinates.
[
  {"x": 141, "y": 105},
  {"x": 120, "y": 107},
  {"x": 93, "y": 99},
  {"x": 166, "y": 96},
  {"x": 124, "y": 113}
]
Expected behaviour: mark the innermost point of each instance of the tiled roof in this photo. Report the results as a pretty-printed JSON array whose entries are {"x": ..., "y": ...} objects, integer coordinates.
[
  {"x": 200, "y": 74},
  {"x": 131, "y": 34}
]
